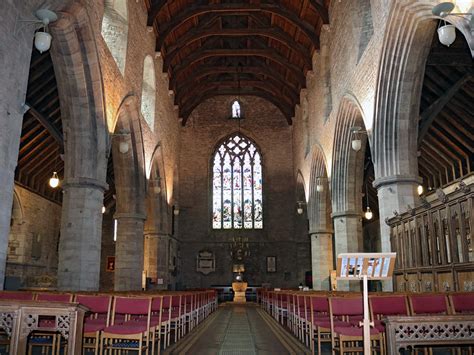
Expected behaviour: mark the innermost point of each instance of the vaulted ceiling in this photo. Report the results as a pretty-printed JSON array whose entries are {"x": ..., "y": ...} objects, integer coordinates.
[{"x": 231, "y": 47}]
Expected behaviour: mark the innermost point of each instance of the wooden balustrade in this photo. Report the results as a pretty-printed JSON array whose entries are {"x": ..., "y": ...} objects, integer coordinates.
[{"x": 434, "y": 243}]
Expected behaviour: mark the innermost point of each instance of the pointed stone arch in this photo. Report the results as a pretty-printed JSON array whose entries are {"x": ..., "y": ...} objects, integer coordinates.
[
  {"x": 320, "y": 225},
  {"x": 130, "y": 186},
  {"x": 76, "y": 64},
  {"x": 346, "y": 181}
]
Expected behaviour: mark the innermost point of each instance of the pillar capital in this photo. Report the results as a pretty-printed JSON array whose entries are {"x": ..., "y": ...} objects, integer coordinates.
[
  {"x": 156, "y": 235},
  {"x": 350, "y": 214},
  {"x": 84, "y": 182},
  {"x": 397, "y": 179},
  {"x": 320, "y": 232},
  {"x": 125, "y": 215}
]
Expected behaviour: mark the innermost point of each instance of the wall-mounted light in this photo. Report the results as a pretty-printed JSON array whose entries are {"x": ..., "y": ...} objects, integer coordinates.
[
  {"x": 356, "y": 142},
  {"x": 54, "y": 180},
  {"x": 156, "y": 185},
  {"x": 104, "y": 209},
  {"x": 175, "y": 210},
  {"x": 319, "y": 184},
  {"x": 447, "y": 33},
  {"x": 124, "y": 146},
  {"x": 299, "y": 207}
]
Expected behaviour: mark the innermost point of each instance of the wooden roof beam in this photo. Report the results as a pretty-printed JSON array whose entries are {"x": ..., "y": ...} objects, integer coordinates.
[
  {"x": 58, "y": 136},
  {"x": 238, "y": 9},
  {"x": 273, "y": 32},
  {"x": 428, "y": 116},
  {"x": 207, "y": 70},
  {"x": 270, "y": 54},
  {"x": 271, "y": 84}
]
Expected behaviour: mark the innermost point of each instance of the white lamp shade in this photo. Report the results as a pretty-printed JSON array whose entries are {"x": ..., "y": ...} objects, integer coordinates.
[
  {"x": 299, "y": 210},
  {"x": 157, "y": 189},
  {"x": 447, "y": 34},
  {"x": 176, "y": 211},
  {"x": 54, "y": 181},
  {"x": 420, "y": 190},
  {"x": 42, "y": 41},
  {"x": 368, "y": 214},
  {"x": 319, "y": 188},
  {"x": 123, "y": 147},
  {"x": 356, "y": 144},
  {"x": 104, "y": 209}
]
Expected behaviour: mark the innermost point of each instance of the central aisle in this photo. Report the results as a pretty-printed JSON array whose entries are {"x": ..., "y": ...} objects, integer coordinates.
[{"x": 239, "y": 329}]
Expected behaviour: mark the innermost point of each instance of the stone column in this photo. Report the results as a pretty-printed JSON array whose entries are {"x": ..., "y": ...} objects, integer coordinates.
[
  {"x": 322, "y": 260},
  {"x": 81, "y": 234},
  {"x": 347, "y": 239},
  {"x": 16, "y": 44},
  {"x": 129, "y": 252},
  {"x": 394, "y": 193}
]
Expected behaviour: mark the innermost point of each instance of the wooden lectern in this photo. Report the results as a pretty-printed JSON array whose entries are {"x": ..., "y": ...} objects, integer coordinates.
[{"x": 365, "y": 266}]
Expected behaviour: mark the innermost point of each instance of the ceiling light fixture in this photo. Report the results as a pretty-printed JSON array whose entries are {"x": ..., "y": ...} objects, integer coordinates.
[
  {"x": 356, "y": 142},
  {"x": 54, "y": 180},
  {"x": 447, "y": 33},
  {"x": 368, "y": 213},
  {"x": 42, "y": 38}
]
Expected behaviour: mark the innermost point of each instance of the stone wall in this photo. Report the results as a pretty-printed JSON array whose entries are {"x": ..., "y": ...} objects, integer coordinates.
[
  {"x": 33, "y": 241},
  {"x": 264, "y": 124}
]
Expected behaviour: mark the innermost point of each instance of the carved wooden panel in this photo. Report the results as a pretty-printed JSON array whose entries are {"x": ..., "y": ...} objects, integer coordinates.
[{"x": 435, "y": 239}]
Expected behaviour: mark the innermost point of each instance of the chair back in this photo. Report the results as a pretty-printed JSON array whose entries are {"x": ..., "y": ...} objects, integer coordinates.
[
  {"x": 99, "y": 306},
  {"x": 346, "y": 307},
  {"x": 16, "y": 296},
  {"x": 319, "y": 305},
  {"x": 130, "y": 307},
  {"x": 462, "y": 302},
  {"x": 388, "y": 305},
  {"x": 54, "y": 297},
  {"x": 428, "y": 304}
]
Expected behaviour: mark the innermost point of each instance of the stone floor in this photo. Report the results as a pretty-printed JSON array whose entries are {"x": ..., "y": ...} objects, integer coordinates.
[{"x": 237, "y": 329}]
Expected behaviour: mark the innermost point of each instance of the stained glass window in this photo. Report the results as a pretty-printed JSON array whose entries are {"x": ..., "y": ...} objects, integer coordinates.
[{"x": 237, "y": 185}]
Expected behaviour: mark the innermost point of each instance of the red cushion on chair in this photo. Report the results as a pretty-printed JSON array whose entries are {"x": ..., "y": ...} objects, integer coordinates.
[
  {"x": 429, "y": 304},
  {"x": 347, "y": 306},
  {"x": 354, "y": 331},
  {"x": 463, "y": 303},
  {"x": 389, "y": 305},
  {"x": 127, "y": 328}
]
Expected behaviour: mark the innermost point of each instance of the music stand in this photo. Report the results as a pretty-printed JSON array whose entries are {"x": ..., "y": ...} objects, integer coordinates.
[{"x": 365, "y": 266}]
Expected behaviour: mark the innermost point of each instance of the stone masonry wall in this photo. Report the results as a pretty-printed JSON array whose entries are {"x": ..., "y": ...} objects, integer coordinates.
[
  {"x": 265, "y": 124},
  {"x": 33, "y": 241}
]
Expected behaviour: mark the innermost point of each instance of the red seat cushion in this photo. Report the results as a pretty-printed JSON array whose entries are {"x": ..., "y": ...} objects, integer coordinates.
[
  {"x": 92, "y": 328},
  {"x": 126, "y": 328}
]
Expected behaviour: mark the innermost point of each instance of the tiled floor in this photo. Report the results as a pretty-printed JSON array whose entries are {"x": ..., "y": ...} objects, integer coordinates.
[{"x": 239, "y": 329}]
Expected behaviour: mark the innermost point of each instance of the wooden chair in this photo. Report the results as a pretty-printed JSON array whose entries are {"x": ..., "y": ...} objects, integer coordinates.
[
  {"x": 428, "y": 304},
  {"x": 320, "y": 321},
  {"x": 96, "y": 319},
  {"x": 382, "y": 306},
  {"x": 462, "y": 303},
  {"x": 130, "y": 326},
  {"x": 345, "y": 313}
]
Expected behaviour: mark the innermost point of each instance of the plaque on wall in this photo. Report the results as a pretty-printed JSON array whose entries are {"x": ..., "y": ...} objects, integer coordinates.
[
  {"x": 206, "y": 262},
  {"x": 111, "y": 263},
  {"x": 271, "y": 264}
]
